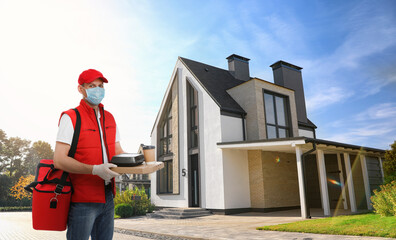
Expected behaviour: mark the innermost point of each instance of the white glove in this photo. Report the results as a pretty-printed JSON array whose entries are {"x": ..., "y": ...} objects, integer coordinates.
[{"x": 103, "y": 171}]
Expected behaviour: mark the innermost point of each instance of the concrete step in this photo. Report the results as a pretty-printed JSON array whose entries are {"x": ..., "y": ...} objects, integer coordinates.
[{"x": 179, "y": 213}]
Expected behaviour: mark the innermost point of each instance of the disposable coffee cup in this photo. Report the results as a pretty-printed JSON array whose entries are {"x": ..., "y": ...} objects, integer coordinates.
[{"x": 149, "y": 153}]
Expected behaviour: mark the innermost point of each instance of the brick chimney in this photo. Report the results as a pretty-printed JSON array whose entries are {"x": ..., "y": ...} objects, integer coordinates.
[
  {"x": 239, "y": 67},
  {"x": 289, "y": 76}
]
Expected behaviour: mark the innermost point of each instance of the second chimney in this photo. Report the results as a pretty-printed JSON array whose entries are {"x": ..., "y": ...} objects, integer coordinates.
[
  {"x": 289, "y": 75},
  {"x": 239, "y": 67}
]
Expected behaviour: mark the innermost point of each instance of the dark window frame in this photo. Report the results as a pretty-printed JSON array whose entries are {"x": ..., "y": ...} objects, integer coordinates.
[
  {"x": 168, "y": 136},
  {"x": 286, "y": 103},
  {"x": 169, "y": 178},
  {"x": 167, "y": 156},
  {"x": 193, "y": 122},
  {"x": 193, "y": 147}
]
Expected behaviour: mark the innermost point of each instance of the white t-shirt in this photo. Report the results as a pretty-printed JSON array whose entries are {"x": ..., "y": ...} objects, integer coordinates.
[{"x": 66, "y": 131}]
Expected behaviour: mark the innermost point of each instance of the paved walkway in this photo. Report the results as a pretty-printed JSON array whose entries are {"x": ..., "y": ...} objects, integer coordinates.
[
  {"x": 240, "y": 226},
  {"x": 18, "y": 225}
]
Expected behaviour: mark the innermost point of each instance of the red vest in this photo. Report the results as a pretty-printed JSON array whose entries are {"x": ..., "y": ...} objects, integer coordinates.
[{"x": 88, "y": 187}]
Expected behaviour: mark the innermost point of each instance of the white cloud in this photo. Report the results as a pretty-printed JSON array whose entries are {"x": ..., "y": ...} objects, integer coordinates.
[
  {"x": 326, "y": 97},
  {"x": 375, "y": 127},
  {"x": 385, "y": 111}
]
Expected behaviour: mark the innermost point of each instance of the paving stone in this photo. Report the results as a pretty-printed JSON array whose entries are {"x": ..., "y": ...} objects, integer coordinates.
[{"x": 18, "y": 226}]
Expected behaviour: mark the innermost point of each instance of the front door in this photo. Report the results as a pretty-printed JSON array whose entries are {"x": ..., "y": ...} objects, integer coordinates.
[{"x": 194, "y": 181}]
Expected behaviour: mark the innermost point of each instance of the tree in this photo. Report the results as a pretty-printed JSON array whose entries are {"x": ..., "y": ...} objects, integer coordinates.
[
  {"x": 389, "y": 165},
  {"x": 3, "y": 139},
  {"x": 14, "y": 152},
  {"x": 5, "y": 186},
  {"x": 18, "y": 192},
  {"x": 39, "y": 150},
  {"x": 17, "y": 160}
]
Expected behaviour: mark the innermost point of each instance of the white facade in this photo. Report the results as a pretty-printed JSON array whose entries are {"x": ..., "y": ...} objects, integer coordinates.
[
  {"x": 236, "y": 179},
  {"x": 210, "y": 157},
  {"x": 305, "y": 133},
  {"x": 231, "y": 129}
]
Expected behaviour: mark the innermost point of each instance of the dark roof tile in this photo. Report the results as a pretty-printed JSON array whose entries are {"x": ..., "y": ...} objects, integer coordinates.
[{"x": 216, "y": 81}]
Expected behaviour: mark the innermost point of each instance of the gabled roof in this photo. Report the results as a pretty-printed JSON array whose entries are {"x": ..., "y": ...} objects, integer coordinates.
[{"x": 216, "y": 81}]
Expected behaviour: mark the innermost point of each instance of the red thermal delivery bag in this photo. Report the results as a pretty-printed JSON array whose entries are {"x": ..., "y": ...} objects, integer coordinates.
[{"x": 52, "y": 191}]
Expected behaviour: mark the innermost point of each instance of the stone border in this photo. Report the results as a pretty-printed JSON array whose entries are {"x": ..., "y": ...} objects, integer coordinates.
[{"x": 151, "y": 235}]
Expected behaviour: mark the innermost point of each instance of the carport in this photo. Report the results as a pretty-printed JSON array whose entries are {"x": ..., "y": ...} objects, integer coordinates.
[{"x": 330, "y": 175}]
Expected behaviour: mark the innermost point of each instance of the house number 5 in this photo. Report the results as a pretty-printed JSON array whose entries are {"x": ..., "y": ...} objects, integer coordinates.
[{"x": 184, "y": 172}]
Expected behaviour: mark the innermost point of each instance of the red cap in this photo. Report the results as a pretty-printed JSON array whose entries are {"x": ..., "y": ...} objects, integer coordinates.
[{"x": 90, "y": 75}]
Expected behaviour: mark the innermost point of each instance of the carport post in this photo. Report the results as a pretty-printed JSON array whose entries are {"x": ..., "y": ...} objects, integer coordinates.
[
  {"x": 366, "y": 181},
  {"x": 342, "y": 182},
  {"x": 323, "y": 182},
  {"x": 301, "y": 186},
  {"x": 382, "y": 170},
  {"x": 351, "y": 189}
]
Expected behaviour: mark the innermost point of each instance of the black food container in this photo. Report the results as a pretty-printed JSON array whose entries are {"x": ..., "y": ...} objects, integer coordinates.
[{"x": 127, "y": 159}]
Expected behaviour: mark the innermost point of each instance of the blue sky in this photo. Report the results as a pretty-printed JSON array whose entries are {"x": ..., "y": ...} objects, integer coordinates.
[{"x": 347, "y": 50}]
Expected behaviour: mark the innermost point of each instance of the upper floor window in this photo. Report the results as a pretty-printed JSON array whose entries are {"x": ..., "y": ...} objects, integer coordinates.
[
  {"x": 165, "y": 144},
  {"x": 193, "y": 116},
  {"x": 276, "y": 115}
]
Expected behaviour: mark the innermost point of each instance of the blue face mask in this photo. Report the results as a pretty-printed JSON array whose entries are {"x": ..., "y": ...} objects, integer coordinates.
[{"x": 95, "y": 95}]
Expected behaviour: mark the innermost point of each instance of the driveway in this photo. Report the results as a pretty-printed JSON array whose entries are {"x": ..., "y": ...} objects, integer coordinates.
[
  {"x": 239, "y": 226},
  {"x": 18, "y": 225}
]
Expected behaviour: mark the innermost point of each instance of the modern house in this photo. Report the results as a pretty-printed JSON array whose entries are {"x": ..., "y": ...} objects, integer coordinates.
[{"x": 233, "y": 143}]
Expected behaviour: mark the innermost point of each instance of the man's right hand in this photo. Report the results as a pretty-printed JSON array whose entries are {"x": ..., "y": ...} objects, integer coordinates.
[{"x": 103, "y": 171}]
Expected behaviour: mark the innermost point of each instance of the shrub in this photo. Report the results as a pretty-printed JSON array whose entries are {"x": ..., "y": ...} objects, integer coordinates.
[
  {"x": 389, "y": 164},
  {"x": 384, "y": 201},
  {"x": 15, "y": 209},
  {"x": 140, "y": 207},
  {"x": 124, "y": 197},
  {"x": 124, "y": 210}
]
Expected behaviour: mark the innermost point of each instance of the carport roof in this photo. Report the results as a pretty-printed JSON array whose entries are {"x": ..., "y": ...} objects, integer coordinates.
[{"x": 289, "y": 144}]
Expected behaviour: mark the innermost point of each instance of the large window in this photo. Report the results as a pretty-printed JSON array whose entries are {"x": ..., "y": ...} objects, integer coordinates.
[
  {"x": 276, "y": 115},
  {"x": 193, "y": 116},
  {"x": 165, "y": 144},
  {"x": 165, "y": 175},
  {"x": 166, "y": 178}
]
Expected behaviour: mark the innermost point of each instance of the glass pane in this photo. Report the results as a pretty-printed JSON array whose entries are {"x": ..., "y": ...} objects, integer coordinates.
[
  {"x": 192, "y": 143},
  {"x": 280, "y": 111},
  {"x": 193, "y": 117},
  {"x": 269, "y": 108},
  {"x": 170, "y": 112},
  {"x": 170, "y": 176},
  {"x": 194, "y": 138},
  {"x": 169, "y": 145},
  {"x": 165, "y": 133},
  {"x": 170, "y": 126},
  {"x": 161, "y": 130},
  {"x": 163, "y": 178},
  {"x": 191, "y": 93},
  {"x": 195, "y": 98},
  {"x": 282, "y": 133},
  {"x": 162, "y": 146},
  {"x": 271, "y": 132}
]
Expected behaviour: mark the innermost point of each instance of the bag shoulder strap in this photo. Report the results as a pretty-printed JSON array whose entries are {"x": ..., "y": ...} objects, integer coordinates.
[
  {"x": 76, "y": 135},
  {"x": 72, "y": 152}
]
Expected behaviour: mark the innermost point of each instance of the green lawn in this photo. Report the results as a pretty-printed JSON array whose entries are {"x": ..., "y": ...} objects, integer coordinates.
[{"x": 360, "y": 225}]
